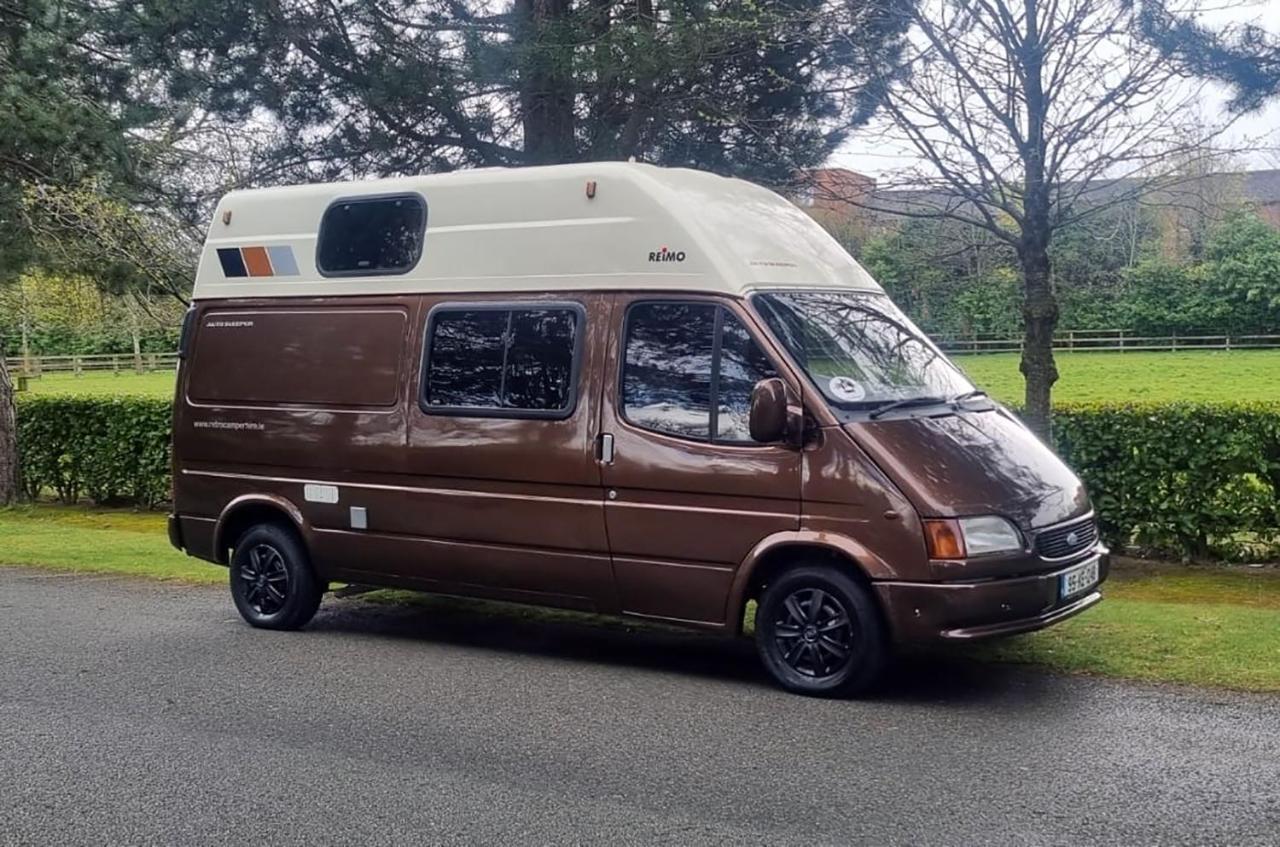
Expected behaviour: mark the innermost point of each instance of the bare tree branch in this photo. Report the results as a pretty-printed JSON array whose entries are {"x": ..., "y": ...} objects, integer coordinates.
[{"x": 1033, "y": 115}]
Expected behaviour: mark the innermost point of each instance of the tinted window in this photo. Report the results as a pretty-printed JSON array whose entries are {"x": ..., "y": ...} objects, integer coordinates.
[
  {"x": 377, "y": 236},
  {"x": 501, "y": 359},
  {"x": 666, "y": 383},
  {"x": 540, "y": 360},
  {"x": 672, "y": 371},
  {"x": 742, "y": 365},
  {"x": 464, "y": 364}
]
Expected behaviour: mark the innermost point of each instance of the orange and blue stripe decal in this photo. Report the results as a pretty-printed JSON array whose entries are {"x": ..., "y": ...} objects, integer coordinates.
[{"x": 277, "y": 260}]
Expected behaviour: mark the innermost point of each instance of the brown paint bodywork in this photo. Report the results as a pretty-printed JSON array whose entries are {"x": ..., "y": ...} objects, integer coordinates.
[
  {"x": 682, "y": 515},
  {"x": 276, "y": 395},
  {"x": 975, "y": 463}
]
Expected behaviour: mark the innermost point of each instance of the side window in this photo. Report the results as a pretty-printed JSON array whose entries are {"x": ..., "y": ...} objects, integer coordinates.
[
  {"x": 370, "y": 236},
  {"x": 465, "y": 359},
  {"x": 742, "y": 365},
  {"x": 501, "y": 362},
  {"x": 666, "y": 378},
  {"x": 689, "y": 370}
]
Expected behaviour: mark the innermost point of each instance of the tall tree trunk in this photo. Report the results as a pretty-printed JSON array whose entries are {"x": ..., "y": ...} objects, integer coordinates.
[
  {"x": 546, "y": 81},
  {"x": 8, "y": 440},
  {"x": 135, "y": 334},
  {"x": 1040, "y": 319},
  {"x": 641, "y": 114},
  {"x": 26, "y": 346},
  {"x": 1039, "y": 302}
]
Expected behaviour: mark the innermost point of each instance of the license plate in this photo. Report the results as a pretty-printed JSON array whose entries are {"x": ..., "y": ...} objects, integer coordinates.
[{"x": 1079, "y": 579}]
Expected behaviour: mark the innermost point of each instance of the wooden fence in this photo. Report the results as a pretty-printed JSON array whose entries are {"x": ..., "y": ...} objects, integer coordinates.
[
  {"x": 35, "y": 366},
  {"x": 1114, "y": 340}
]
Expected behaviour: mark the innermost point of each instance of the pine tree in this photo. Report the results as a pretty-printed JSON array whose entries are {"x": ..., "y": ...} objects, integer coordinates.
[{"x": 755, "y": 88}]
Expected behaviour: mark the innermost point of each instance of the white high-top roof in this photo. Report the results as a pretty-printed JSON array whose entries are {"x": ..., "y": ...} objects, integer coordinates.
[{"x": 523, "y": 229}]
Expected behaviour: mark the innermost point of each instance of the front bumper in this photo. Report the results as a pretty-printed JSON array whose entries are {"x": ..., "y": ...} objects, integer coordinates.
[{"x": 920, "y": 612}]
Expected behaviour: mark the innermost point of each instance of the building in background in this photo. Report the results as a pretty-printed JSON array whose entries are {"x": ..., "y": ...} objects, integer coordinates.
[{"x": 854, "y": 207}]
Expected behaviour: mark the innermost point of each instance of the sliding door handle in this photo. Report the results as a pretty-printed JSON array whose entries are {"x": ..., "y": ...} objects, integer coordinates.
[{"x": 606, "y": 448}]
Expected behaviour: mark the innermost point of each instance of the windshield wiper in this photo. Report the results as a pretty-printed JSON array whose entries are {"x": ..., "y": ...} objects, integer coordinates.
[
  {"x": 905, "y": 403},
  {"x": 968, "y": 395}
]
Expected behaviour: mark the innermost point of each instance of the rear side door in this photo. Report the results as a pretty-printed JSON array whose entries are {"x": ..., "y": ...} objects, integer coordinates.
[
  {"x": 500, "y": 490},
  {"x": 688, "y": 493}
]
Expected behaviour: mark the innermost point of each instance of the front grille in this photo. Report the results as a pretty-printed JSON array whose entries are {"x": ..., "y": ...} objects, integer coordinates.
[{"x": 1064, "y": 540}]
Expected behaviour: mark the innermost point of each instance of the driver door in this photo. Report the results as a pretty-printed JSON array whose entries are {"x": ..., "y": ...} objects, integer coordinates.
[{"x": 688, "y": 494}]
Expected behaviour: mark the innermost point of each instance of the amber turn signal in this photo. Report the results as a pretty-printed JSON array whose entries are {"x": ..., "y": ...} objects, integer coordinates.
[{"x": 944, "y": 539}]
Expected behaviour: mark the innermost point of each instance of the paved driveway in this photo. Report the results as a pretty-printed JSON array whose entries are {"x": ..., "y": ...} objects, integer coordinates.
[{"x": 139, "y": 713}]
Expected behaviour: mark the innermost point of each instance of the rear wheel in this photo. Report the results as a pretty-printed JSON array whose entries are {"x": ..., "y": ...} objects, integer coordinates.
[
  {"x": 271, "y": 579},
  {"x": 818, "y": 632}
]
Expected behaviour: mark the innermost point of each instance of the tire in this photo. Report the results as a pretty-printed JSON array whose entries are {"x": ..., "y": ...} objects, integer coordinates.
[
  {"x": 802, "y": 653},
  {"x": 272, "y": 583}
]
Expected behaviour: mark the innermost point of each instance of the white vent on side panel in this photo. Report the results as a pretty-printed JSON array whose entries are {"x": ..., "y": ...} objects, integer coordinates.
[{"x": 320, "y": 493}]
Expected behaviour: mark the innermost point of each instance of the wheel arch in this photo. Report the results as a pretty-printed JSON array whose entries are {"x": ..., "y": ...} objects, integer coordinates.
[
  {"x": 250, "y": 509},
  {"x": 779, "y": 551}
]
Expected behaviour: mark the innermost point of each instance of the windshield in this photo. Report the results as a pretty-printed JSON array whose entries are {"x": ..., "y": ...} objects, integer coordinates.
[{"x": 859, "y": 349}]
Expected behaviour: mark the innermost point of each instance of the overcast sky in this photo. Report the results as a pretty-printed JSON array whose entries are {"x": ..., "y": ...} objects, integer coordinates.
[{"x": 1260, "y": 129}]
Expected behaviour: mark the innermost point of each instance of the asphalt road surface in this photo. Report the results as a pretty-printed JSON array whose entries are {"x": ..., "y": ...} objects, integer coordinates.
[{"x": 140, "y": 713}]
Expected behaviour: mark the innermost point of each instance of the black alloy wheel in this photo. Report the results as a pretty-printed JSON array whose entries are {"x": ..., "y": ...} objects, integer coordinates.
[
  {"x": 813, "y": 633},
  {"x": 272, "y": 583},
  {"x": 266, "y": 579},
  {"x": 819, "y": 632}
]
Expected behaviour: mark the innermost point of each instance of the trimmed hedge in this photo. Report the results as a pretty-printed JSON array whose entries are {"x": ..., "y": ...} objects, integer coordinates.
[
  {"x": 1199, "y": 481},
  {"x": 110, "y": 450},
  {"x": 1194, "y": 480}
]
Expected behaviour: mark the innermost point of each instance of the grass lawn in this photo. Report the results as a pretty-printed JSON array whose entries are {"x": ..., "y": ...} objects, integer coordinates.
[
  {"x": 157, "y": 384},
  {"x": 1195, "y": 375},
  {"x": 1203, "y": 626},
  {"x": 1203, "y": 375},
  {"x": 98, "y": 541}
]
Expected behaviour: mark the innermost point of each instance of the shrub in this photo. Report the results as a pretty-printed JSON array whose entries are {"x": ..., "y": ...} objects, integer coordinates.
[
  {"x": 1193, "y": 480},
  {"x": 111, "y": 450}
]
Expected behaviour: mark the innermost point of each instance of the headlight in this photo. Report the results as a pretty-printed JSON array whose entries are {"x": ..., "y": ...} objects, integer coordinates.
[
  {"x": 989, "y": 534},
  {"x": 956, "y": 539}
]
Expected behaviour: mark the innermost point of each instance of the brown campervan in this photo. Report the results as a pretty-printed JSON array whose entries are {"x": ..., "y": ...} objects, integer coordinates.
[{"x": 608, "y": 387}]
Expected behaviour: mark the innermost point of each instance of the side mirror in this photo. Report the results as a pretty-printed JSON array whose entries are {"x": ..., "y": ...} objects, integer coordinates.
[{"x": 773, "y": 418}]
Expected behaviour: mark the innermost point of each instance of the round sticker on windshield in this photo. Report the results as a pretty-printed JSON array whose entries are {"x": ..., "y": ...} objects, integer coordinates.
[{"x": 846, "y": 389}]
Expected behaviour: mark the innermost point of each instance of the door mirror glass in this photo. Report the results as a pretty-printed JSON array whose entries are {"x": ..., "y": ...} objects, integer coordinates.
[{"x": 768, "y": 419}]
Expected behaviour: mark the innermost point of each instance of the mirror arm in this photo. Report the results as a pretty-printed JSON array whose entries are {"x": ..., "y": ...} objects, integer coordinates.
[
  {"x": 794, "y": 436},
  {"x": 796, "y": 429}
]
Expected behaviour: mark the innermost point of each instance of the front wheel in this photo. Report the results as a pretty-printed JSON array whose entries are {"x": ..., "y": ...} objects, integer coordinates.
[
  {"x": 271, "y": 579},
  {"x": 818, "y": 632}
]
